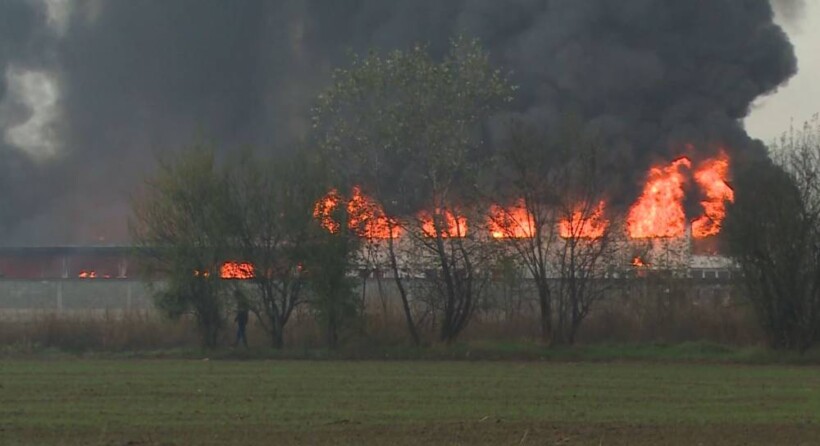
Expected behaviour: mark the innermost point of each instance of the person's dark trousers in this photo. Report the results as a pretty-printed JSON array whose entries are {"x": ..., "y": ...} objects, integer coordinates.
[{"x": 240, "y": 335}]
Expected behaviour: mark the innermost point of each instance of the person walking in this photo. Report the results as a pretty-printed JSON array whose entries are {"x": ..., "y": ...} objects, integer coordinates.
[{"x": 241, "y": 320}]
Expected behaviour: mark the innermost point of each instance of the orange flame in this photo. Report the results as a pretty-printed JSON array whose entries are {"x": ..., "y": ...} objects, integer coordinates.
[
  {"x": 365, "y": 216},
  {"x": 368, "y": 220},
  {"x": 512, "y": 222},
  {"x": 638, "y": 262},
  {"x": 585, "y": 223},
  {"x": 323, "y": 211},
  {"x": 659, "y": 211},
  {"x": 237, "y": 270},
  {"x": 448, "y": 224},
  {"x": 711, "y": 176},
  {"x": 87, "y": 274}
]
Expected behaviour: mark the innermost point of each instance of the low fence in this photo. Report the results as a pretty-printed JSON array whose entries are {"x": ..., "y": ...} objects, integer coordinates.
[
  {"x": 633, "y": 310},
  {"x": 120, "y": 294},
  {"x": 70, "y": 295}
]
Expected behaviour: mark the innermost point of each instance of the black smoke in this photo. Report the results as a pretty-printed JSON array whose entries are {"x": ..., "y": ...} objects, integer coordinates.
[
  {"x": 140, "y": 78},
  {"x": 22, "y": 42}
]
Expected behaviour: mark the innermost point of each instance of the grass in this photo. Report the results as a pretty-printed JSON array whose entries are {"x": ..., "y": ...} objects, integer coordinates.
[
  {"x": 152, "y": 402},
  {"x": 686, "y": 352}
]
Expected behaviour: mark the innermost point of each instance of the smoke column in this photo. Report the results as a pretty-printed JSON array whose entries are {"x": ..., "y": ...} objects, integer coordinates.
[{"x": 133, "y": 79}]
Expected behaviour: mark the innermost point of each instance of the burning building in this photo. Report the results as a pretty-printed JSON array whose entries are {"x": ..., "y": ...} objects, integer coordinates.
[
  {"x": 655, "y": 233},
  {"x": 79, "y": 120},
  {"x": 659, "y": 232},
  {"x": 67, "y": 263}
]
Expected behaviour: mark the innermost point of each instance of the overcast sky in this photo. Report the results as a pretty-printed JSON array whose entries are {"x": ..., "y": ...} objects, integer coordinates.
[{"x": 800, "y": 99}]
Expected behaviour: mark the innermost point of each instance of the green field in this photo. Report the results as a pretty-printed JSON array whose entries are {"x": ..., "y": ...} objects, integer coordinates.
[{"x": 139, "y": 402}]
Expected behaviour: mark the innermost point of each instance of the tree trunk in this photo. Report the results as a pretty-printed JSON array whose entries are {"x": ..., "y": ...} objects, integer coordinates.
[
  {"x": 277, "y": 334},
  {"x": 382, "y": 297},
  {"x": 332, "y": 327},
  {"x": 546, "y": 312},
  {"x": 274, "y": 314},
  {"x": 447, "y": 334},
  {"x": 332, "y": 333},
  {"x": 210, "y": 323},
  {"x": 210, "y": 335},
  {"x": 408, "y": 314}
]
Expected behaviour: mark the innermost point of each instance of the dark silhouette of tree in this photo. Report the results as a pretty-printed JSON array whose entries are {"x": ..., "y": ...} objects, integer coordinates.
[
  {"x": 181, "y": 227},
  {"x": 272, "y": 227},
  {"x": 406, "y": 129},
  {"x": 773, "y": 232},
  {"x": 554, "y": 221}
]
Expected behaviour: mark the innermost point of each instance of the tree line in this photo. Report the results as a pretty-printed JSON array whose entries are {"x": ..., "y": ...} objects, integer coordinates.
[{"x": 409, "y": 131}]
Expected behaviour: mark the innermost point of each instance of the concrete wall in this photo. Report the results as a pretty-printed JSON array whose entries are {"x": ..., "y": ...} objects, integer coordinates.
[
  {"x": 70, "y": 295},
  {"x": 77, "y": 294},
  {"x": 73, "y": 295}
]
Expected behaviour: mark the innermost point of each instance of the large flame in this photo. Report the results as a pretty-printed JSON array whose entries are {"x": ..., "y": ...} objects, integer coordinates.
[
  {"x": 323, "y": 211},
  {"x": 231, "y": 270},
  {"x": 712, "y": 177},
  {"x": 586, "y": 222},
  {"x": 659, "y": 211},
  {"x": 237, "y": 270},
  {"x": 448, "y": 224},
  {"x": 511, "y": 222},
  {"x": 365, "y": 216}
]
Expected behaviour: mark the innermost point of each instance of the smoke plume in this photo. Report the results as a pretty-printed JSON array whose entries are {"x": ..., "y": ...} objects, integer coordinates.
[{"x": 138, "y": 78}]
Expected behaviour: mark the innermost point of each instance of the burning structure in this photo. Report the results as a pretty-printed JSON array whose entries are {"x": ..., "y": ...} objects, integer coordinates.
[
  {"x": 643, "y": 77},
  {"x": 89, "y": 263},
  {"x": 67, "y": 263},
  {"x": 656, "y": 232}
]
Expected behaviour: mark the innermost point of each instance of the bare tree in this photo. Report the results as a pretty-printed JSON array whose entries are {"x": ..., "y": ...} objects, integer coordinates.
[
  {"x": 773, "y": 231},
  {"x": 555, "y": 221},
  {"x": 586, "y": 250},
  {"x": 271, "y": 227},
  {"x": 528, "y": 224},
  {"x": 458, "y": 260}
]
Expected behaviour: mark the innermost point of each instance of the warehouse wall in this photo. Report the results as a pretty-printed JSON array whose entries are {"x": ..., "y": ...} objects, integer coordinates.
[{"x": 68, "y": 295}]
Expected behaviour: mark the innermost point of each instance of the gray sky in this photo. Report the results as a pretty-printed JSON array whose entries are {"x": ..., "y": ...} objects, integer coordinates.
[{"x": 800, "y": 98}]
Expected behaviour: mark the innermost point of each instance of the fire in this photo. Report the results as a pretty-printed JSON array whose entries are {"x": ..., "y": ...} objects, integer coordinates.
[
  {"x": 711, "y": 176},
  {"x": 659, "y": 211},
  {"x": 512, "y": 222},
  {"x": 91, "y": 274},
  {"x": 449, "y": 224},
  {"x": 638, "y": 262},
  {"x": 588, "y": 223},
  {"x": 237, "y": 270},
  {"x": 365, "y": 216},
  {"x": 231, "y": 270},
  {"x": 323, "y": 211}
]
